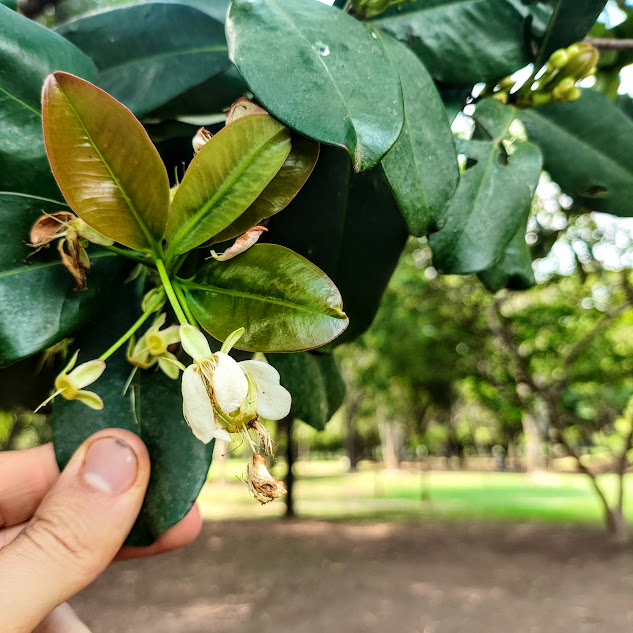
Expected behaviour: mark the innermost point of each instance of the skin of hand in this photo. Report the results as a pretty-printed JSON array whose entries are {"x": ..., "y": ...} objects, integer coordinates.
[{"x": 58, "y": 532}]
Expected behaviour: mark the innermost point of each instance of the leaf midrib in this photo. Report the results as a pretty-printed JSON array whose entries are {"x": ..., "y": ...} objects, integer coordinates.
[
  {"x": 137, "y": 216},
  {"x": 21, "y": 102},
  {"x": 327, "y": 71},
  {"x": 173, "y": 53},
  {"x": 558, "y": 128},
  {"x": 56, "y": 262},
  {"x": 254, "y": 297},
  {"x": 227, "y": 185}
]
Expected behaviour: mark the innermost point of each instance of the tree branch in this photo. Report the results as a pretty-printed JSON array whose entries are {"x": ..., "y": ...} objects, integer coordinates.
[{"x": 608, "y": 44}]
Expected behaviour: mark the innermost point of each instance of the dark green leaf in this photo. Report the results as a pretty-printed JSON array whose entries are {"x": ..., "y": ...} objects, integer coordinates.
[
  {"x": 319, "y": 71},
  {"x": 461, "y": 41},
  {"x": 315, "y": 384},
  {"x": 350, "y": 226},
  {"x": 104, "y": 163},
  {"x": 492, "y": 198},
  {"x": 28, "y": 53},
  {"x": 280, "y": 190},
  {"x": 148, "y": 54},
  {"x": 152, "y": 408},
  {"x": 284, "y": 302},
  {"x": 571, "y": 20},
  {"x": 211, "y": 97},
  {"x": 586, "y": 148},
  {"x": 422, "y": 166},
  {"x": 225, "y": 179},
  {"x": 38, "y": 306},
  {"x": 514, "y": 269}
]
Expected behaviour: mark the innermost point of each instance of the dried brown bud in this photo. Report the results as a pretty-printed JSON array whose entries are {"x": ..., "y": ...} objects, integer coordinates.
[
  {"x": 262, "y": 485},
  {"x": 241, "y": 244},
  {"x": 48, "y": 228},
  {"x": 76, "y": 260},
  {"x": 243, "y": 107},
  {"x": 202, "y": 137}
]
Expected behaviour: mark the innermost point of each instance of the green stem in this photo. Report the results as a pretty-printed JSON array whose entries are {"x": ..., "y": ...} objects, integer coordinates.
[
  {"x": 113, "y": 348},
  {"x": 183, "y": 302},
  {"x": 169, "y": 289},
  {"x": 137, "y": 257}
]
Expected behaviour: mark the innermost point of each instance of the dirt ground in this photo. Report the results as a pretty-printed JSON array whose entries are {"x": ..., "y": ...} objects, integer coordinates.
[{"x": 312, "y": 576}]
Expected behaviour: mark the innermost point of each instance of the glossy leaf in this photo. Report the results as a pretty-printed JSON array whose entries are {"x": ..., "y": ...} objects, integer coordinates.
[
  {"x": 571, "y": 20},
  {"x": 148, "y": 54},
  {"x": 585, "y": 147},
  {"x": 212, "y": 96},
  {"x": 461, "y": 41},
  {"x": 28, "y": 53},
  {"x": 492, "y": 198},
  {"x": 284, "y": 302},
  {"x": 350, "y": 226},
  {"x": 514, "y": 269},
  {"x": 151, "y": 408},
  {"x": 280, "y": 190},
  {"x": 422, "y": 166},
  {"x": 225, "y": 178},
  {"x": 319, "y": 71},
  {"x": 315, "y": 384},
  {"x": 38, "y": 306},
  {"x": 107, "y": 168}
]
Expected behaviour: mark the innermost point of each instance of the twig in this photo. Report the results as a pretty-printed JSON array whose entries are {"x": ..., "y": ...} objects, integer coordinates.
[{"x": 608, "y": 44}]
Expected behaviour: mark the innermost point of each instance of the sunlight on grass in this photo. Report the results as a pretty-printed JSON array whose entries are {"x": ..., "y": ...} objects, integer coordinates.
[{"x": 324, "y": 490}]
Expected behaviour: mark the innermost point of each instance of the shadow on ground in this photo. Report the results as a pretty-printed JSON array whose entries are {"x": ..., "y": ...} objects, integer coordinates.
[{"x": 313, "y": 576}]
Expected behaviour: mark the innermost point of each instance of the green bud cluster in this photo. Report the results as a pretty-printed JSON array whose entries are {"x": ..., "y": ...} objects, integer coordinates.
[
  {"x": 371, "y": 8},
  {"x": 557, "y": 83}
]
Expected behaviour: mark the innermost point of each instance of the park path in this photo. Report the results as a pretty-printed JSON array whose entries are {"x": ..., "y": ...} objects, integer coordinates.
[{"x": 313, "y": 576}]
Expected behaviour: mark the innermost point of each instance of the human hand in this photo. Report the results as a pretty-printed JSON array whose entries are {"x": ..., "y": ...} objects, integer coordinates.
[{"x": 59, "y": 532}]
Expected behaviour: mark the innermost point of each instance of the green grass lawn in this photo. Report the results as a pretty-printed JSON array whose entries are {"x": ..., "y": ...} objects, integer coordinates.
[{"x": 325, "y": 490}]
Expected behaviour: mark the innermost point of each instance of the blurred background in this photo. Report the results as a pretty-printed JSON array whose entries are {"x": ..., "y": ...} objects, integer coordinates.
[{"x": 475, "y": 477}]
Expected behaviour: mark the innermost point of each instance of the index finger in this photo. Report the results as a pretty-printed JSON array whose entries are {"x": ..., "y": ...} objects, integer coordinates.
[{"x": 25, "y": 478}]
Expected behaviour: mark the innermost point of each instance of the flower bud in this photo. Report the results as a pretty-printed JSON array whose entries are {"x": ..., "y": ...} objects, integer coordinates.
[
  {"x": 501, "y": 96},
  {"x": 154, "y": 299},
  {"x": 581, "y": 65},
  {"x": 507, "y": 83},
  {"x": 241, "y": 108},
  {"x": 558, "y": 58},
  {"x": 202, "y": 137},
  {"x": 562, "y": 87},
  {"x": 88, "y": 233},
  {"x": 541, "y": 99},
  {"x": 370, "y": 8},
  {"x": 573, "y": 94}
]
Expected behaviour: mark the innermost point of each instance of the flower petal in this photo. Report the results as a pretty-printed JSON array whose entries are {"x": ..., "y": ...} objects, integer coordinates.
[
  {"x": 229, "y": 383},
  {"x": 86, "y": 373},
  {"x": 71, "y": 363},
  {"x": 273, "y": 400},
  {"x": 90, "y": 399},
  {"x": 194, "y": 342},
  {"x": 169, "y": 368},
  {"x": 158, "y": 323},
  {"x": 196, "y": 405},
  {"x": 171, "y": 335},
  {"x": 222, "y": 434}
]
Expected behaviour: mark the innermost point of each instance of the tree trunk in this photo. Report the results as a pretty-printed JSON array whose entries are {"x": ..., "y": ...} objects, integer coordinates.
[
  {"x": 391, "y": 440},
  {"x": 617, "y": 525},
  {"x": 351, "y": 438},
  {"x": 290, "y": 461},
  {"x": 532, "y": 443}
]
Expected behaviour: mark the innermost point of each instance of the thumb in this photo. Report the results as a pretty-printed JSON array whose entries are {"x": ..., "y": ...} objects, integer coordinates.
[{"x": 76, "y": 531}]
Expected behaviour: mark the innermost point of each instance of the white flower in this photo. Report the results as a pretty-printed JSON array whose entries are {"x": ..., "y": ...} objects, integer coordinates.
[
  {"x": 273, "y": 401},
  {"x": 213, "y": 387}
]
